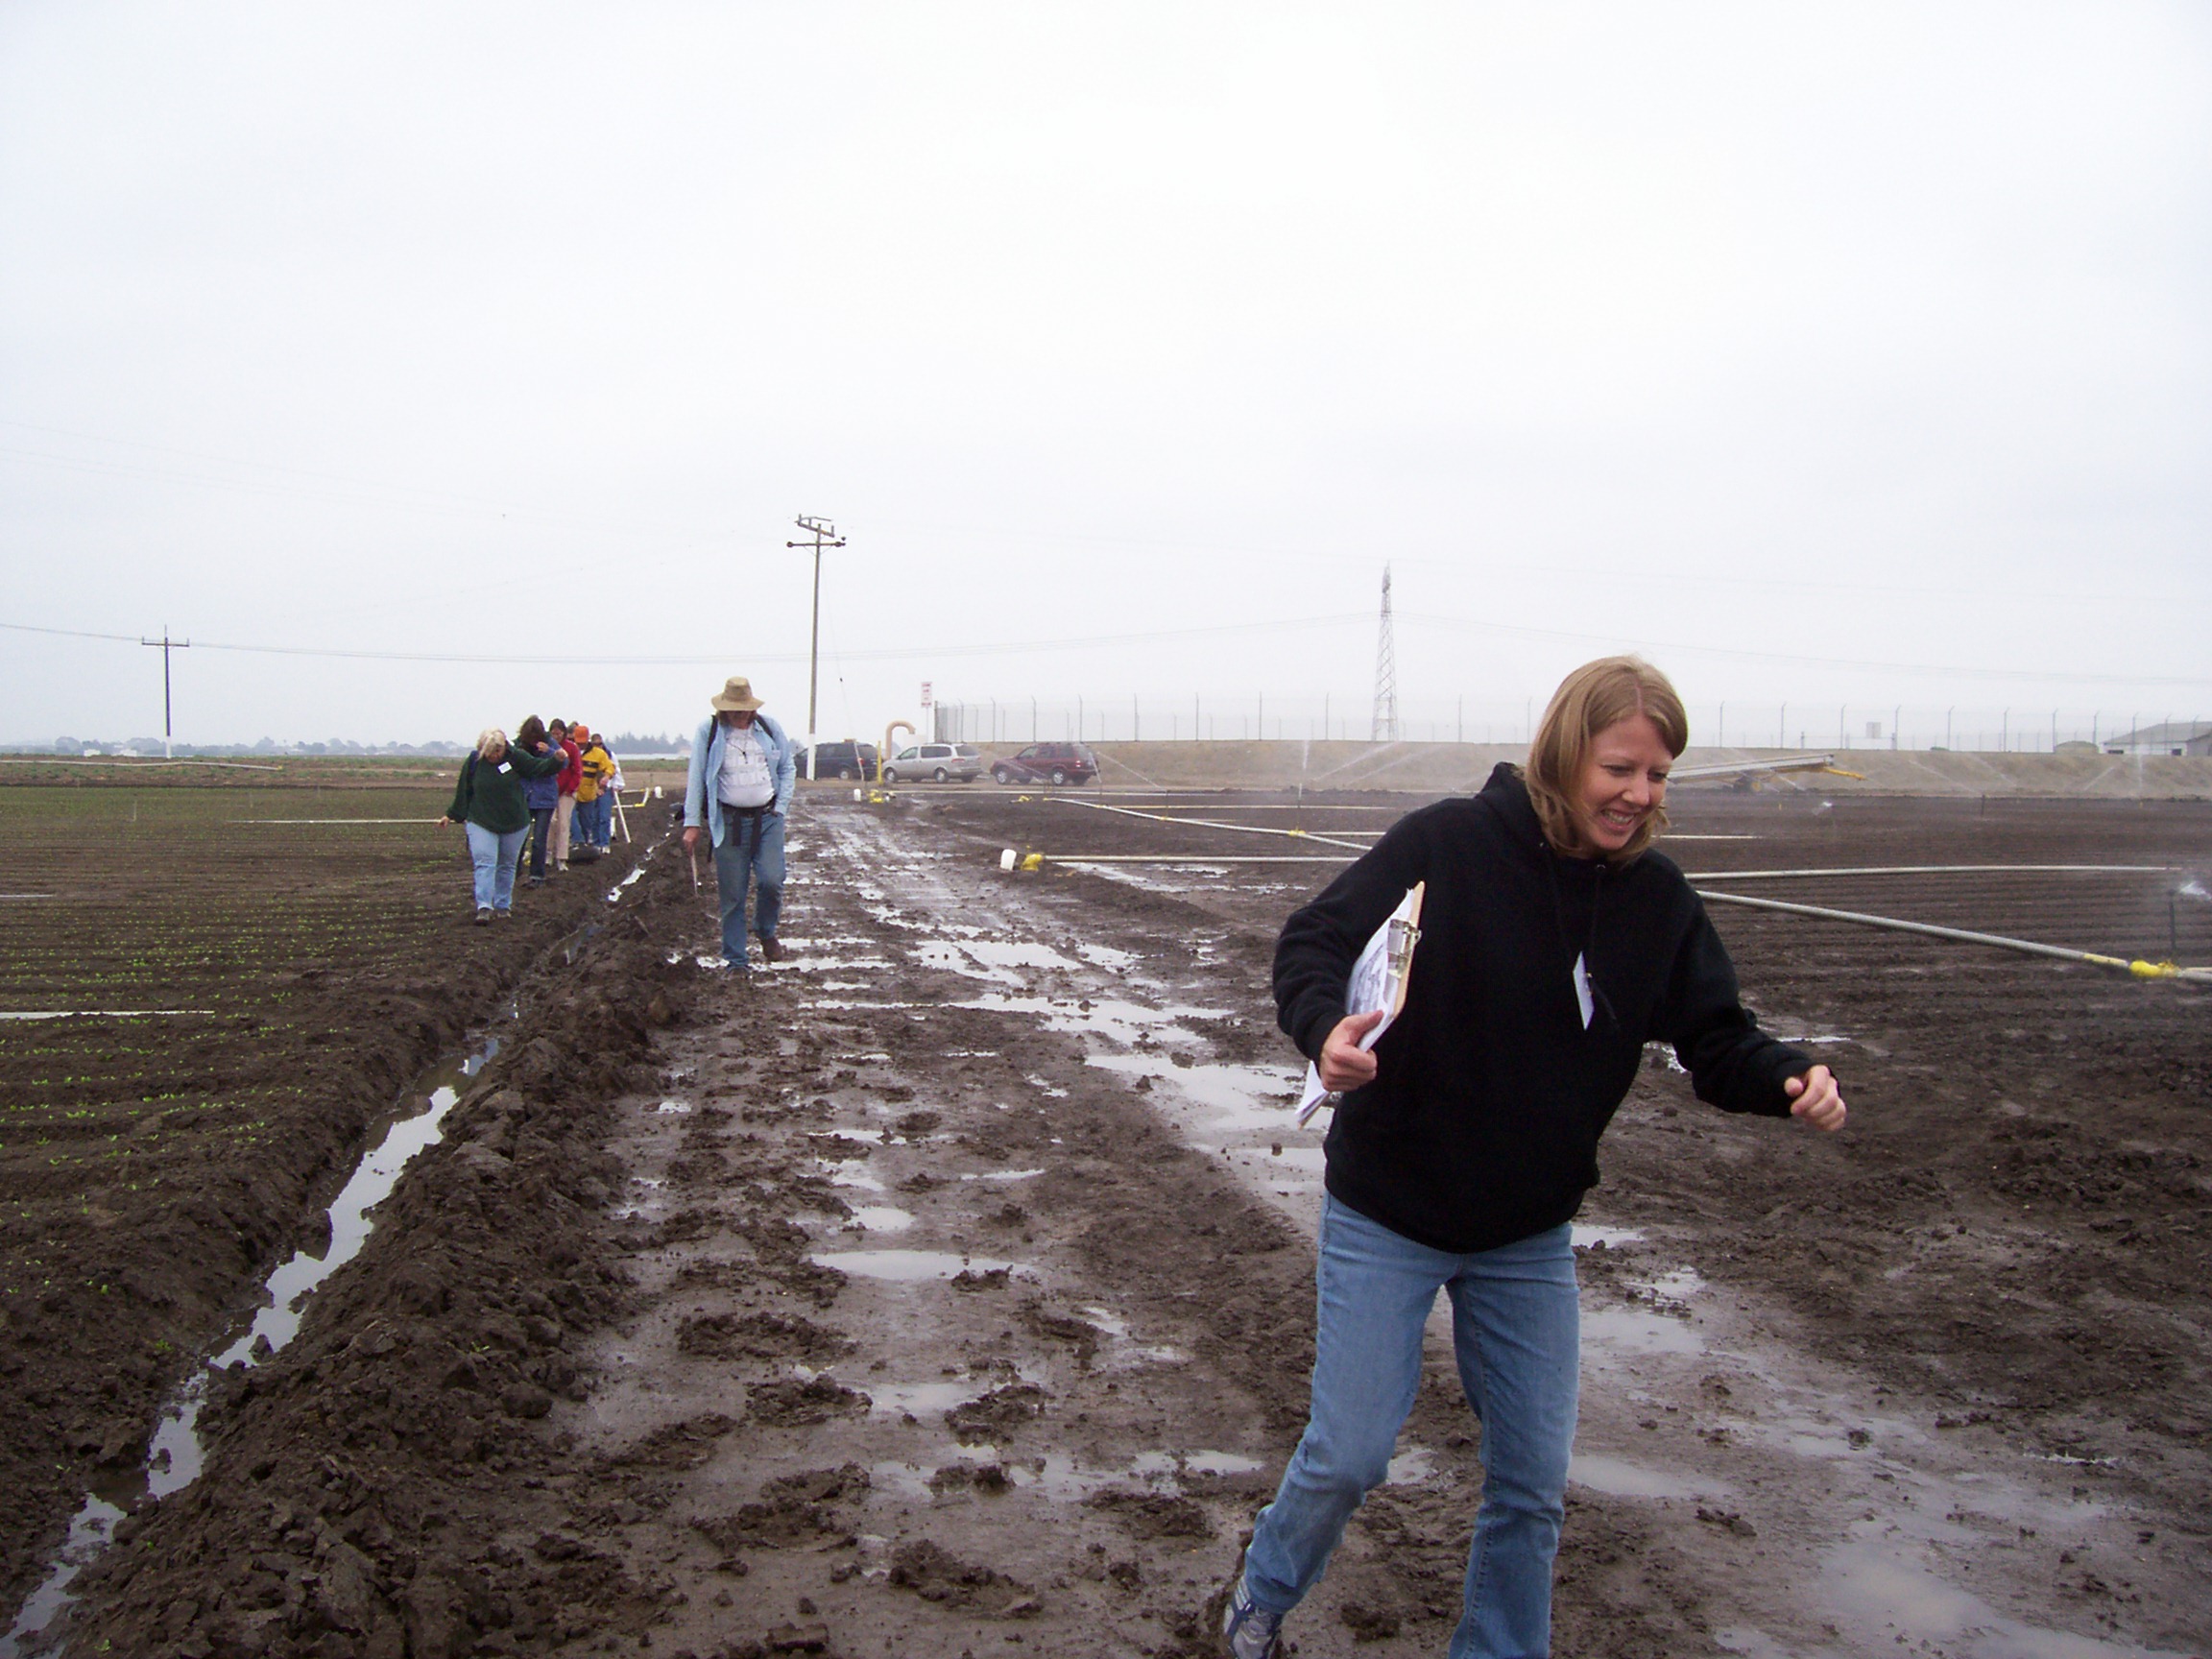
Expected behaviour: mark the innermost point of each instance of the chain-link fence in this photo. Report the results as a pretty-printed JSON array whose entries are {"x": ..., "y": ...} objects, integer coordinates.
[{"x": 1008, "y": 723}]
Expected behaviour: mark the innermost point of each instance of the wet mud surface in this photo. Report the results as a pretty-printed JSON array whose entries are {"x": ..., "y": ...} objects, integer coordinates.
[
  {"x": 251, "y": 998},
  {"x": 947, "y": 1289}
]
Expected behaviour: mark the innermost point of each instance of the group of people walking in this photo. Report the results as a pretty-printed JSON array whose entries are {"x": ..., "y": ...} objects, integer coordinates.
[{"x": 550, "y": 785}]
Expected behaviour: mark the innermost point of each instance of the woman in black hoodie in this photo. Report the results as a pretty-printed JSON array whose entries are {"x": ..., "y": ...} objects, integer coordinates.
[{"x": 1554, "y": 946}]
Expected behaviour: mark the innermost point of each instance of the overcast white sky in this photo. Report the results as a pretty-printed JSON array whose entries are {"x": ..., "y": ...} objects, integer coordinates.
[{"x": 1830, "y": 354}]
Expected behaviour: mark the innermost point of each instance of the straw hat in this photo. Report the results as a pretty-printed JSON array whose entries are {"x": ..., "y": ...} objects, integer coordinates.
[{"x": 736, "y": 697}]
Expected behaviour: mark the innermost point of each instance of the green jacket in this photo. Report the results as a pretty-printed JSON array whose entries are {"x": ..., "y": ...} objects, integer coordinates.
[{"x": 491, "y": 796}]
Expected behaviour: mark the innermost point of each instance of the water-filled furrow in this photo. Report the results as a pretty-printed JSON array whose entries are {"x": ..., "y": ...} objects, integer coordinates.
[{"x": 173, "y": 1454}]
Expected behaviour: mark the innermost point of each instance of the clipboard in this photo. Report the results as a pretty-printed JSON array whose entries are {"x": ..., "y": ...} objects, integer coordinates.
[{"x": 1380, "y": 979}]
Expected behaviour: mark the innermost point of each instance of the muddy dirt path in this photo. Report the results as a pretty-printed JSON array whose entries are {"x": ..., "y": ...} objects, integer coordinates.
[{"x": 946, "y": 1291}]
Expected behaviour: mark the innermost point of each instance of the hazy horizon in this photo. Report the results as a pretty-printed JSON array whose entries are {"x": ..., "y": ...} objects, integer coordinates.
[{"x": 427, "y": 365}]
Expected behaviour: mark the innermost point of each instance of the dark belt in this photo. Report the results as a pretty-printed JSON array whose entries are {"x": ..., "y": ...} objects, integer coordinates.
[{"x": 748, "y": 815}]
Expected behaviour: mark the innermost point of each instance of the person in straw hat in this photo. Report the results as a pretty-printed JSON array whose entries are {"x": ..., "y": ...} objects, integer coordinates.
[{"x": 739, "y": 791}]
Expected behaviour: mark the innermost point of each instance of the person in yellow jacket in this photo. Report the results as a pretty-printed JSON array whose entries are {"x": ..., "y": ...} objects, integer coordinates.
[{"x": 595, "y": 806}]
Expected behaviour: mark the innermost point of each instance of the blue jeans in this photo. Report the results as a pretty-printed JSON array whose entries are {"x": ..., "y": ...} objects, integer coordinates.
[
  {"x": 494, "y": 856},
  {"x": 1516, "y": 1331},
  {"x": 751, "y": 847},
  {"x": 586, "y": 821}
]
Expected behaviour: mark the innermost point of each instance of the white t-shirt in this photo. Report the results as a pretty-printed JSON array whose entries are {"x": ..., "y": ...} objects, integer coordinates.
[{"x": 745, "y": 780}]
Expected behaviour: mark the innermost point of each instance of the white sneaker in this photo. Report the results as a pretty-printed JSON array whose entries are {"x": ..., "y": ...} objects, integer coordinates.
[{"x": 1248, "y": 1630}]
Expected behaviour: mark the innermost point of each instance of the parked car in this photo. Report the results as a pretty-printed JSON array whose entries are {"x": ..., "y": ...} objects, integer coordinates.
[
  {"x": 1048, "y": 763},
  {"x": 846, "y": 760},
  {"x": 941, "y": 762}
]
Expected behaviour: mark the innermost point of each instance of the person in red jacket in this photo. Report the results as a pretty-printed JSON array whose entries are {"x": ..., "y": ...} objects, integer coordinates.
[
  {"x": 565, "y": 806},
  {"x": 1554, "y": 946}
]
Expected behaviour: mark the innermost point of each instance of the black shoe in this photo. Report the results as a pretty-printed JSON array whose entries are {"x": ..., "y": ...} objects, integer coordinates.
[{"x": 483, "y": 914}]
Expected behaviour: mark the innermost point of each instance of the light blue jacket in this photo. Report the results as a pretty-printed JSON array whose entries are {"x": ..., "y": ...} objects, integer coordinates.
[{"x": 703, "y": 801}]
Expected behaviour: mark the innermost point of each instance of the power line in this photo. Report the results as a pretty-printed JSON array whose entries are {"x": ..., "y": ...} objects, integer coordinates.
[
  {"x": 887, "y": 654},
  {"x": 66, "y": 633},
  {"x": 1017, "y": 647}
]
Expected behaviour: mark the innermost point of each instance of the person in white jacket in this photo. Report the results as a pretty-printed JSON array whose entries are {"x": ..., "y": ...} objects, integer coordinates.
[{"x": 738, "y": 792}]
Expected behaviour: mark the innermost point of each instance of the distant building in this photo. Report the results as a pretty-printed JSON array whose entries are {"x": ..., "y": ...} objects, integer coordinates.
[{"x": 2168, "y": 737}]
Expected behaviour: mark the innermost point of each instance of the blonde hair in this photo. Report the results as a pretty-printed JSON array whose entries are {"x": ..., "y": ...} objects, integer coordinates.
[
  {"x": 1594, "y": 697},
  {"x": 489, "y": 739}
]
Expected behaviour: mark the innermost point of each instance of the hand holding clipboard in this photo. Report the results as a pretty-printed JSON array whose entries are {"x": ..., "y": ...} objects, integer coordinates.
[{"x": 1379, "y": 982}]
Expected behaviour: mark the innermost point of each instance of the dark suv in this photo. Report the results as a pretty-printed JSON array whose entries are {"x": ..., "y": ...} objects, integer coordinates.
[
  {"x": 1048, "y": 763},
  {"x": 847, "y": 761}
]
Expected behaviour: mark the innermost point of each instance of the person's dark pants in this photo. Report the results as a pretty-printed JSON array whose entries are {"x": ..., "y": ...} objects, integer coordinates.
[
  {"x": 752, "y": 847},
  {"x": 540, "y": 827}
]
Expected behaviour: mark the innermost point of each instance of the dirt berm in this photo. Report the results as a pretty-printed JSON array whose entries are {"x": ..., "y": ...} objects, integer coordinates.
[{"x": 355, "y": 1482}]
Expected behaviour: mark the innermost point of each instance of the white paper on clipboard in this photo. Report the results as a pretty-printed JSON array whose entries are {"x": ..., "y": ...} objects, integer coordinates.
[{"x": 1379, "y": 983}]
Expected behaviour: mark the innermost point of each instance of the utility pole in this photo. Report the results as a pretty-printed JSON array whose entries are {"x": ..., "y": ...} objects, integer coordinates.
[
  {"x": 1385, "y": 727},
  {"x": 167, "y": 645},
  {"x": 825, "y": 535}
]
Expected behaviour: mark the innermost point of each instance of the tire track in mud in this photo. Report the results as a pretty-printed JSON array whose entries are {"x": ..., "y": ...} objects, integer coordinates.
[
  {"x": 868, "y": 1273},
  {"x": 976, "y": 1303}
]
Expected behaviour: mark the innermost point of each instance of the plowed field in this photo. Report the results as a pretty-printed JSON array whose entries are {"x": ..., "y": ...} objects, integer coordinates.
[{"x": 947, "y": 1289}]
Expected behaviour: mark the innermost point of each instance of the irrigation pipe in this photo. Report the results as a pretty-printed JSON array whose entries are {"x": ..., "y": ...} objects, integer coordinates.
[
  {"x": 1193, "y": 858},
  {"x": 1738, "y": 768},
  {"x": 1938, "y": 870},
  {"x": 99, "y": 1013},
  {"x": 2140, "y": 969},
  {"x": 126, "y": 764},
  {"x": 1210, "y": 823}
]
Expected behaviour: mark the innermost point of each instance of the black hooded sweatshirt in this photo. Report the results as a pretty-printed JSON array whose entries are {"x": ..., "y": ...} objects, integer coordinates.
[{"x": 1482, "y": 1125}]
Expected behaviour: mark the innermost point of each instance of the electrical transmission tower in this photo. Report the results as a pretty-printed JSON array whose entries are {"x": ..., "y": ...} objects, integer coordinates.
[{"x": 1385, "y": 673}]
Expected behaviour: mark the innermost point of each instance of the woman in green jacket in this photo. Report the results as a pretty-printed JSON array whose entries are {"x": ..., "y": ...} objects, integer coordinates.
[{"x": 488, "y": 803}]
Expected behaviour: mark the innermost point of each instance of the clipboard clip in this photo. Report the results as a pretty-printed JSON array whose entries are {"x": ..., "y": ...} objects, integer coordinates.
[{"x": 1397, "y": 948}]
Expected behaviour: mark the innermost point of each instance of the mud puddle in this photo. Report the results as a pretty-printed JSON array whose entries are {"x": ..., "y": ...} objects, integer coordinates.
[{"x": 1906, "y": 1534}]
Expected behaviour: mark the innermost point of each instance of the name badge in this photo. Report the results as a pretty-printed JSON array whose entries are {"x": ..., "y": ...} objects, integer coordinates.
[{"x": 506, "y": 766}]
